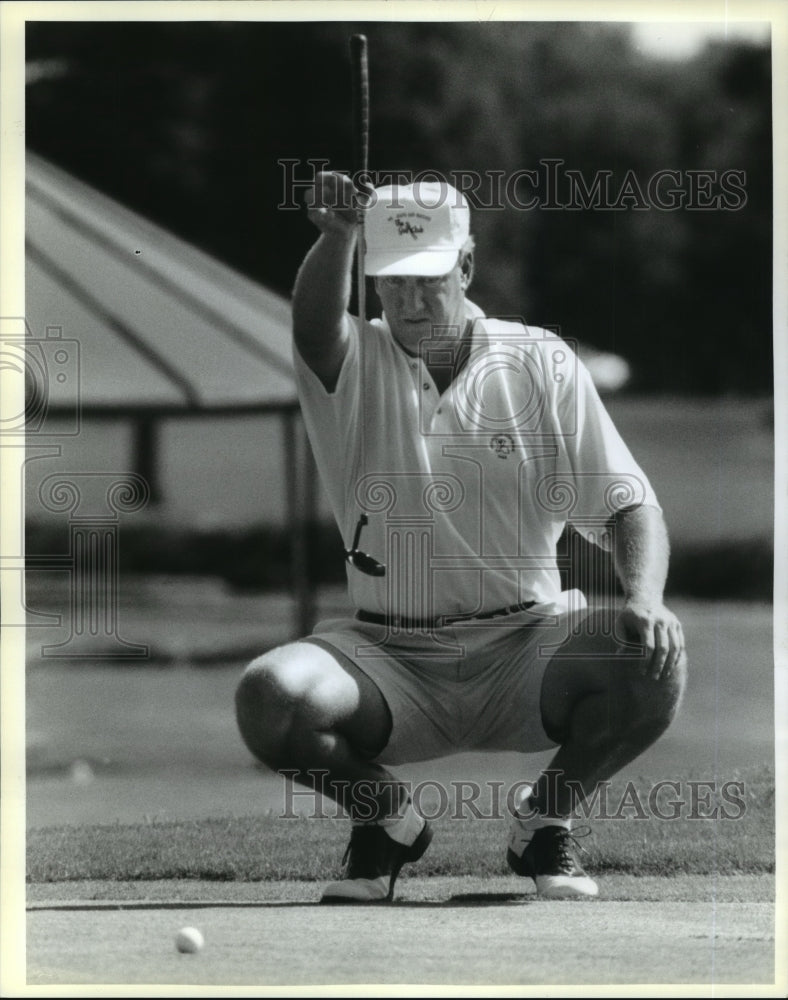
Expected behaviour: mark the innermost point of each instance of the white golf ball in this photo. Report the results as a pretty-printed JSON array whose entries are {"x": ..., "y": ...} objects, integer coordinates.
[{"x": 189, "y": 940}]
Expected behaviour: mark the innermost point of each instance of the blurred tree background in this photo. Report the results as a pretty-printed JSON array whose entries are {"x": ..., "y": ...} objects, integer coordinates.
[{"x": 187, "y": 123}]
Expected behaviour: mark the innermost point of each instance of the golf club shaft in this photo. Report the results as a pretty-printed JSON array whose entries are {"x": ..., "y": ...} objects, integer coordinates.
[{"x": 358, "y": 51}]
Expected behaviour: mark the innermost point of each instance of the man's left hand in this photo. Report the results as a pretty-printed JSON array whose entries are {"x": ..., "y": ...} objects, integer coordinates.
[{"x": 659, "y": 630}]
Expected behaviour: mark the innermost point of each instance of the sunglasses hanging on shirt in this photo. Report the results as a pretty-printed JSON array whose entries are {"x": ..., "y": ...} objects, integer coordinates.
[{"x": 361, "y": 560}]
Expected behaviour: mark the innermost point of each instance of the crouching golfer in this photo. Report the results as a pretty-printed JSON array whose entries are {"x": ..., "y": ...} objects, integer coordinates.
[{"x": 454, "y": 449}]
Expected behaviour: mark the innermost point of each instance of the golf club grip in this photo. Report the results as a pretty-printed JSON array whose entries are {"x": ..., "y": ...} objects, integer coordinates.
[{"x": 358, "y": 52}]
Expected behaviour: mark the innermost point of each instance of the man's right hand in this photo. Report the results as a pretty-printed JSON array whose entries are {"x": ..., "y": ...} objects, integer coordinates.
[{"x": 332, "y": 203}]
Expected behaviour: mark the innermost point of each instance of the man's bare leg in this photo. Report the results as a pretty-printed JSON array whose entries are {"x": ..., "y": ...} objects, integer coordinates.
[
  {"x": 300, "y": 709},
  {"x": 603, "y": 710}
]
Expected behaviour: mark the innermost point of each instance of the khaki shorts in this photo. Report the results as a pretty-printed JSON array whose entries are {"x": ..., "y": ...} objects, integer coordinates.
[{"x": 471, "y": 685}]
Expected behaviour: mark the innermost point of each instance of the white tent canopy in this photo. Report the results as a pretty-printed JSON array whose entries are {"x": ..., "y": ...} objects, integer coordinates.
[{"x": 162, "y": 327}]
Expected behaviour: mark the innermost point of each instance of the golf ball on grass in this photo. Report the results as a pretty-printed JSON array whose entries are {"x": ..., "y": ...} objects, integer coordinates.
[{"x": 189, "y": 940}]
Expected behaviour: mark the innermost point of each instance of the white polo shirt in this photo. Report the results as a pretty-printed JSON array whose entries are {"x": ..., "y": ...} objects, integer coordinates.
[{"x": 467, "y": 492}]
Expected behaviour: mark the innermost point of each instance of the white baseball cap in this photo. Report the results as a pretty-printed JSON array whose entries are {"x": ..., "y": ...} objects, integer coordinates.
[{"x": 415, "y": 229}]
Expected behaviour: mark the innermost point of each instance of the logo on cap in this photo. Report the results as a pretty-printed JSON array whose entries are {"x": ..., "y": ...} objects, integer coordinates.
[{"x": 407, "y": 228}]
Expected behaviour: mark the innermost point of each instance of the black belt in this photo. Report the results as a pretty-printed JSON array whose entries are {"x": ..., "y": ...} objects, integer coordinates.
[{"x": 397, "y": 621}]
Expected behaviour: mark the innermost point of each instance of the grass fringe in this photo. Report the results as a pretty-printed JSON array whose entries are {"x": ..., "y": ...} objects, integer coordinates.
[{"x": 264, "y": 848}]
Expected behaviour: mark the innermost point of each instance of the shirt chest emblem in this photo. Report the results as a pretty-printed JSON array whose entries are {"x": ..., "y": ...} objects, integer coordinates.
[{"x": 502, "y": 445}]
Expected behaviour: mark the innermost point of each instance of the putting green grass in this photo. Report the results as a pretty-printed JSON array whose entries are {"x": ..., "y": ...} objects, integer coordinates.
[{"x": 266, "y": 848}]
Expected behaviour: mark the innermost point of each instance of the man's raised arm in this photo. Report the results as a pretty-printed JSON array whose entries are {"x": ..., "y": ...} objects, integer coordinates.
[{"x": 322, "y": 289}]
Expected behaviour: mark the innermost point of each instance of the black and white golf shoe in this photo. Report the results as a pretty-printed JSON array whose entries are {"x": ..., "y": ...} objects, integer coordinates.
[
  {"x": 547, "y": 855},
  {"x": 372, "y": 863}
]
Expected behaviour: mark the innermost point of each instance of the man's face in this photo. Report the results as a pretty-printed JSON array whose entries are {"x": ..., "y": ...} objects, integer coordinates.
[{"x": 421, "y": 308}]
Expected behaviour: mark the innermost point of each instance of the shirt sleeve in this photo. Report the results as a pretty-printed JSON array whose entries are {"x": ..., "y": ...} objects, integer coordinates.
[{"x": 597, "y": 475}]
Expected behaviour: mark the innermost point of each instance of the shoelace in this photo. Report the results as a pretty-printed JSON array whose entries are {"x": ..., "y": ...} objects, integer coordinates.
[{"x": 562, "y": 844}]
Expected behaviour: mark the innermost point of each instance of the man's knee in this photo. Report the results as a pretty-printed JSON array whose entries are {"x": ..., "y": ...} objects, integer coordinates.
[
  {"x": 278, "y": 695},
  {"x": 261, "y": 710},
  {"x": 655, "y": 701},
  {"x": 623, "y": 699},
  {"x": 673, "y": 684}
]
